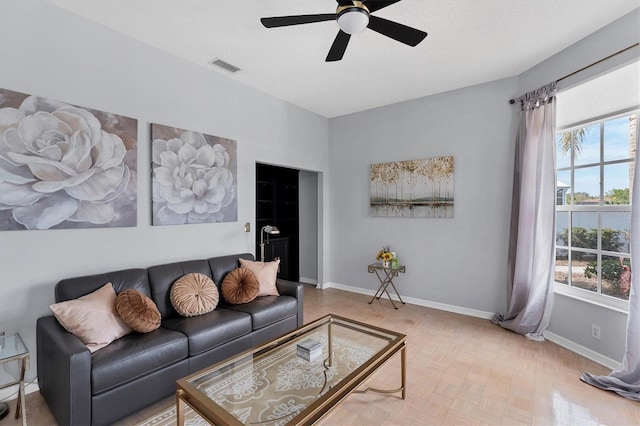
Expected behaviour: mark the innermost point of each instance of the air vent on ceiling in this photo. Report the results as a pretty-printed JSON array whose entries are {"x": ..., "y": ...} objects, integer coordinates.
[{"x": 224, "y": 65}]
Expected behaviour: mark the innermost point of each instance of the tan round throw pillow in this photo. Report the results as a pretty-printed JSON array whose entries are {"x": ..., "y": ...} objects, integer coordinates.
[
  {"x": 138, "y": 311},
  {"x": 240, "y": 286},
  {"x": 194, "y": 294}
]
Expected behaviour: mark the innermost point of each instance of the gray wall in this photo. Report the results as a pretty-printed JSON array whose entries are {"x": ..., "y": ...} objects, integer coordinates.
[
  {"x": 49, "y": 52},
  {"x": 308, "y": 212},
  {"x": 459, "y": 261}
]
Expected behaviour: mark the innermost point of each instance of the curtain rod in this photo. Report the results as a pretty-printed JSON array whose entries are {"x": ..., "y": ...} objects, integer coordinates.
[{"x": 513, "y": 101}]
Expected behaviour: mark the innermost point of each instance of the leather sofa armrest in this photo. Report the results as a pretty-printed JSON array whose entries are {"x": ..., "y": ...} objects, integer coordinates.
[
  {"x": 64, "y": 372},
  {"x": 290, "y": 288}
]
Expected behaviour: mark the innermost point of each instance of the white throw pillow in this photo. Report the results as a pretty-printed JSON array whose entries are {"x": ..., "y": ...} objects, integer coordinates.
[
  {"x": 266, "y": 272},
  {"x": 92, "y": 318}
]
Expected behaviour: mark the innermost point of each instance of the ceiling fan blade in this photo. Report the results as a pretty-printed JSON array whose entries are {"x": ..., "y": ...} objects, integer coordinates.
[
  {"x": 396, "y": 31},
  {"x": 374, "y": 5},
  {"x": 338, "y": 47},
  {"x": 283, "y": 21}
]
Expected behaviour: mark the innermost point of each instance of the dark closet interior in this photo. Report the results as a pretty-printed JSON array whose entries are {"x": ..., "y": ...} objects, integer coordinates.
[{"x": 277, "y": 205}]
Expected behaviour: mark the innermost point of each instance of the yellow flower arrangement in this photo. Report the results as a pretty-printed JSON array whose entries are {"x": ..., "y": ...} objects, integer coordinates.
[{"x": 384, "y": 254}]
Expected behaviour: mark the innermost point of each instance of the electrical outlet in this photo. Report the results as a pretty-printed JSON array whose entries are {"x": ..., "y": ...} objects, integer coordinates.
[{"x": 595, "y": 331}]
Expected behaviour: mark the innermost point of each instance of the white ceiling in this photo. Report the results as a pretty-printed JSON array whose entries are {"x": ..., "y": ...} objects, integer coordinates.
[{"x": 469, "y": 42}]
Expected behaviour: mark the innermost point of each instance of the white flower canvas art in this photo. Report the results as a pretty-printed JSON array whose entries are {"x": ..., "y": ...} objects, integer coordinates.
[
  {"x": 64, "y": 166},
  {"x": 194, "y": 177}
]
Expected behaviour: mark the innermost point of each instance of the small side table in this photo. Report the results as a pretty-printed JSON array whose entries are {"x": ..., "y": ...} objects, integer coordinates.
[
  {"x": 12, "y": 348},
  {"x": 385, "y": 276}
]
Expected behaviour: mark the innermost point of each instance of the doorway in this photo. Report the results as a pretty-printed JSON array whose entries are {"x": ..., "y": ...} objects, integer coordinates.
[
  {"x": 277, "y": 218},
  {"x": 287, "y": 199}
]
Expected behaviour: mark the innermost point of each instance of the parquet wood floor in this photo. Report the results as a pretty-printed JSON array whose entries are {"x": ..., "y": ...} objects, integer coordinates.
[{"x": 460, "y": 371}]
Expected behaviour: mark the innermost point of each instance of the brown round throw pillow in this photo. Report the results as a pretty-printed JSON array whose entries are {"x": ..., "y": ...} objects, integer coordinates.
[
  {"x": 138, "y": 311},
  {"x": 194, "y": 294},
  {"x": 240, "y": 286}
]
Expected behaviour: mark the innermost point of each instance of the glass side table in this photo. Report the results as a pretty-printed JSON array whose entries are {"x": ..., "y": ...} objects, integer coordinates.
[
  {"x": 12, "y": 348},
  {"x": 385, "y": 275}
]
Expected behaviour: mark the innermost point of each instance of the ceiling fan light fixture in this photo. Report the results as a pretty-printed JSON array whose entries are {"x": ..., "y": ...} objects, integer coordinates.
[{"x": 353, "y": 19}]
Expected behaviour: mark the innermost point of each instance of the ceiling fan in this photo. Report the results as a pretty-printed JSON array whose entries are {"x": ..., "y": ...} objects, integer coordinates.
[{"x": 353, "y": 17}]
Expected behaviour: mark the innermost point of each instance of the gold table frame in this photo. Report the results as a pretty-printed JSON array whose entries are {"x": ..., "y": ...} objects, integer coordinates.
[
  {"x": 188, "y": 393},
  {"x": 20, "y": 353},
  {"x": 385, "y": 281}
]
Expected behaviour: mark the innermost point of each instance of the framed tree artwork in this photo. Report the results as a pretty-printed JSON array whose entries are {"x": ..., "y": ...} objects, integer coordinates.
[{"x": 412, "y": 188}]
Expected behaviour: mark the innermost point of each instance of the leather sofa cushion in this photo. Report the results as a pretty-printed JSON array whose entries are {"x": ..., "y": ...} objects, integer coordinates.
[
  {"x": 207, "y": 331},
  {"x": 267, "y": 310},
  {"x": 73, "y": 288},
  {"x": 162, "y": 277},
  {"x": 134, "y": 356}
]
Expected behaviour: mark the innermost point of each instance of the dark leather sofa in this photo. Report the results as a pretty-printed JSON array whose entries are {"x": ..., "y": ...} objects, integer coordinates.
[{"x": 137, "y": 370}]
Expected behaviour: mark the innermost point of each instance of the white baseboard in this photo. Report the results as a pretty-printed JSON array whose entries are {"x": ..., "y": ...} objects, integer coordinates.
[
  {"x": 306, "y": 280},
  {"x": 11, "y": 392},
  {"x": 415, "y": 301},
  {"x": 581, "y": 350},
  {"x": 552, "y": 337}
]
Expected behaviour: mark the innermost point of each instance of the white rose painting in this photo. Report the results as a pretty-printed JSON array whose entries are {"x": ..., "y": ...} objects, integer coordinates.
[
  {"x": 63, "y": 166},
  {"x": 194, "y": 177}
]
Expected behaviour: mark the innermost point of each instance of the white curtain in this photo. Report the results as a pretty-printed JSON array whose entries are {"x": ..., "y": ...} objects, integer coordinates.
[
  {"x": 532, "y": 243},
  {"x": 626, "y": 379}
]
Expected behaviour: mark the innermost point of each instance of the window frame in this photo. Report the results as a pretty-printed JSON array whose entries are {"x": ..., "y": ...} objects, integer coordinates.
[{"x": 568, "y": 289}]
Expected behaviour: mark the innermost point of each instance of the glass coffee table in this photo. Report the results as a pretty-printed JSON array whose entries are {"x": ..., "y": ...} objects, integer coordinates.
[{"x": 273, "y": 384}]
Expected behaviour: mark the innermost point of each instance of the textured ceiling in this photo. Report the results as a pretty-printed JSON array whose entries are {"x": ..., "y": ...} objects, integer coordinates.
[{"x": 469, "y": 42}]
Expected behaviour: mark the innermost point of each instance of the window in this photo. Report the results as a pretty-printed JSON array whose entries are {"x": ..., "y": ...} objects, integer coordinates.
[
  {"x": 596, "y": 142},
  {"x": 593, "y": 217}
]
